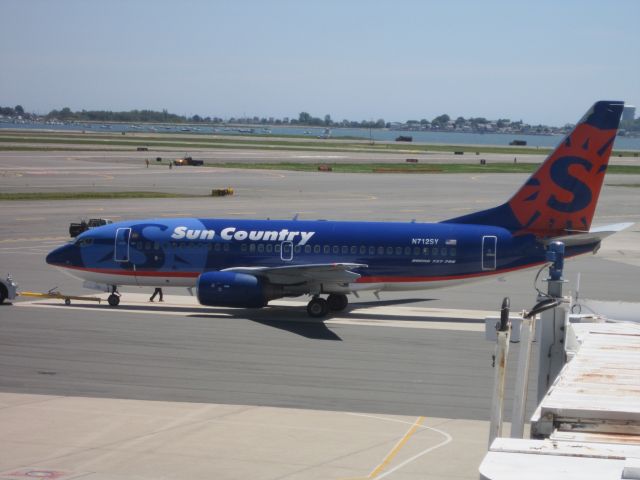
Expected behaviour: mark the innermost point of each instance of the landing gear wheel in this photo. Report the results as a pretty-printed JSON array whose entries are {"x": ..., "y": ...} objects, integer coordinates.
[
  {"x": 114, "y": 300},
  {"x": 67, "y": 301},
  {"x": 337, "y": 302},
  {"x": 317, "y": 307}
]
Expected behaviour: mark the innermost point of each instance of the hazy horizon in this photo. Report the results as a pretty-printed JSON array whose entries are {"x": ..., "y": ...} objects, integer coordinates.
[{"x": 540, "y": 62}]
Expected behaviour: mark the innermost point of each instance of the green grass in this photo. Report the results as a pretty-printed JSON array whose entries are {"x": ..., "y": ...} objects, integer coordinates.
[
  {"x": 420, "y": 168},
  {"x": 88, "y": 195}
]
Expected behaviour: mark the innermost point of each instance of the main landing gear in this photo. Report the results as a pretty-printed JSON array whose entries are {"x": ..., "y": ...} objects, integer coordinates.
[
  {"x": 114, "y": 298},
  {"x": 318, "y": 307}
]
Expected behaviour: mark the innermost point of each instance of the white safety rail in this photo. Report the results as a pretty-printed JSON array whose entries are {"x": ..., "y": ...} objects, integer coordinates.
[{"x": 588, "y": 424}]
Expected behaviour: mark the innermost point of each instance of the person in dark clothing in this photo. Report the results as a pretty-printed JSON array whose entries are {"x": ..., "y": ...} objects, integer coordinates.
[{"x": 157, "y": 291}]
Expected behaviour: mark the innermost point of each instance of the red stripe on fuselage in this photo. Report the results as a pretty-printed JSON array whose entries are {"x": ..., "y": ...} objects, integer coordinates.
[
  {"x": 137, "y": 273},
  {"x": 363, "y": 279},
  {"x": 401, "y": 279}
]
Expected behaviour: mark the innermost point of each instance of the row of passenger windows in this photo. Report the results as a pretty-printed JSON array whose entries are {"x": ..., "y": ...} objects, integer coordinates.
[{"x": 315, "y": 249}]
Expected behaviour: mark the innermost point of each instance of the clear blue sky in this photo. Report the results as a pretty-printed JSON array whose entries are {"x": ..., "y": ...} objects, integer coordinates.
[{"x": 540, "y": 61}]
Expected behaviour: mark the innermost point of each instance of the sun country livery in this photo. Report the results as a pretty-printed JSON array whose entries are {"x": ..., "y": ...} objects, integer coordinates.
[{"x": 247, "y": 263}]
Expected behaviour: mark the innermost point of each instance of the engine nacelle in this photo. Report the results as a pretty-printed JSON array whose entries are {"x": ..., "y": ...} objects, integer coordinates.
[{"x": 230, "y": 289}]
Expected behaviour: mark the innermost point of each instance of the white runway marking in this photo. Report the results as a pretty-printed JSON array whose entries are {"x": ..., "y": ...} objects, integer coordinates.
[
  {"x": 377, "y": 474},
  {"x": 371, "y": 316}
]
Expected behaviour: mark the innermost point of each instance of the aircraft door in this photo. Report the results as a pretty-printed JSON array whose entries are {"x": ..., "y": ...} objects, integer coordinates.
[
  {"x": 286, "y": 251},
  {"x": 121, "y": 250},
  {"x": 489, "y": 252}
]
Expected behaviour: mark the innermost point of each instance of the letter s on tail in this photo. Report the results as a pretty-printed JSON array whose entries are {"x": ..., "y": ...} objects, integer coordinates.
[{"x": 561, "y": 196}]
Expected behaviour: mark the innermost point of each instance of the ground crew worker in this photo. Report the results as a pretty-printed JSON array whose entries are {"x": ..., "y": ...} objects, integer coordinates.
[{"x": 157, "y": 291}]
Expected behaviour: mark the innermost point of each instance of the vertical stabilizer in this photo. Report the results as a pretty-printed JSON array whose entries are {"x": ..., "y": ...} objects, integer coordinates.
[{"x": 561, "y": 196}]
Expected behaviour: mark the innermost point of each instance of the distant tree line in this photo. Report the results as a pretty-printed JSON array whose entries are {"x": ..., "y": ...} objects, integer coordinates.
[
  {"x": 132, "y": 116},
  {"x": 304, "y": 119},
  {"x": 12, "y": 112}
]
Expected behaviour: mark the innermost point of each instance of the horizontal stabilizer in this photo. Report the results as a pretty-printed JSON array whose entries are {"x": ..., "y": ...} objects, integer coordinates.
[{"x": 592, "y": 236}]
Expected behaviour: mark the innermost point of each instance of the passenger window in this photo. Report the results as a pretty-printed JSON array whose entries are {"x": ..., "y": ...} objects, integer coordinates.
[
  {"x": 217, "y": 247},
  {"x": 398, "y": 250},
  {"x": 225, "y": 247},
  {"x": 336, "y": 249},
  {"x": 297, "y": 249},
  {"x": 407, "y": 251},
  {"x": 316, "y": 249},
  {"x": 452, "y": 252},
  {"x": 252, "y": 247},
  {"x": 277, "y": 248},
  {"x": 326, "y": 249},
  {"x": 243, "y": 247},
  {"x": 416, "y": 250},
  {"x": 389, "y": 250},
  {"x": 269, "y": 248},
  {"x": 443, "y": 251},
  {"x": 380, "y": 250},
  {"x": 260, "y": 248},
  {"x": 435, "y": 252},
  {"x": 345, "y": 249},
  {"x": 307, "y": 249},
  {"x": 363, "y": 250},
  {"x": 372, "y": 250},
  {"x": 354, "y": 250},
  {"x": 425, "y": 251},
  {"x": 156, "y": 245}
]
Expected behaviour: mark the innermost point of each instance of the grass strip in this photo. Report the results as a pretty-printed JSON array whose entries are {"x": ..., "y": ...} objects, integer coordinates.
[
  {"x": 423, "y": 168},
  {"x": 88, "y": 195}
]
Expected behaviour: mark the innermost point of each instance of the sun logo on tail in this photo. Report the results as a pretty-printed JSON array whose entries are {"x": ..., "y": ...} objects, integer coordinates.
[{"x": 561, "y": 196}]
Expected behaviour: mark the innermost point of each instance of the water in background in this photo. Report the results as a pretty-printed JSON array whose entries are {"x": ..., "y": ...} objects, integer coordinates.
[{"x": 448, "y": 138}]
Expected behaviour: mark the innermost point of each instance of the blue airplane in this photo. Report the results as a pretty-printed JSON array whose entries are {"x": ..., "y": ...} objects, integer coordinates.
[{"x": 247, "y": 263}]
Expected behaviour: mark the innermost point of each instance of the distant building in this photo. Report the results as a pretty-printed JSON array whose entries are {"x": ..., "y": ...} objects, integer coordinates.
[{"x": 629, "y": 113}]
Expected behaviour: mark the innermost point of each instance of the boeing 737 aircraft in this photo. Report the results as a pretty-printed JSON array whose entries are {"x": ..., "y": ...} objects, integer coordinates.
[{"x": 247, "y": 263}]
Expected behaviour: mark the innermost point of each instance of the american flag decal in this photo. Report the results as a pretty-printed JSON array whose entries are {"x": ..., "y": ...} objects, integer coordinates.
[{"x": 451, "y": 242}]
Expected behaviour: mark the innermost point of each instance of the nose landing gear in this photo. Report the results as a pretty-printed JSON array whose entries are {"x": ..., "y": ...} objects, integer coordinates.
[{"x": 114, "y": 298}]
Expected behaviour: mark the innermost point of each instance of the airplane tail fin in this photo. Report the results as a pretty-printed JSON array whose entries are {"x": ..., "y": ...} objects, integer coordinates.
[{"x": 561, "y": 196}]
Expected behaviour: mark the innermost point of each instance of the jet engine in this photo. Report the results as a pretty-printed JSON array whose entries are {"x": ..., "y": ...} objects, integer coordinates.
[{"x": 230, "y": 289}]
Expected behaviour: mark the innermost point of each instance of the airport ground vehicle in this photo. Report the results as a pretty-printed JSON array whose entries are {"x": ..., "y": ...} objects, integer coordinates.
[
  {"x": 8, "y": 289},
  {"x": 76, "y": 229},
  {"x": 187, "y": 160}
]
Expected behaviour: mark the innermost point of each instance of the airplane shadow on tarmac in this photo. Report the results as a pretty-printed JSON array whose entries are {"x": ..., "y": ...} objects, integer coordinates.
[{"x": 288, "y": 318}]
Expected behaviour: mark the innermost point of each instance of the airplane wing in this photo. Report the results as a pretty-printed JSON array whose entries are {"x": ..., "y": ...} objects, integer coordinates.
[
  {"x": 594, "y": 235},
  {"x": 300, "y": 274}
]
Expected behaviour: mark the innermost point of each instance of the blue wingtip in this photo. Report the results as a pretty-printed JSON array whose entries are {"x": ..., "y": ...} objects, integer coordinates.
[{"x": 604, "y": 115}]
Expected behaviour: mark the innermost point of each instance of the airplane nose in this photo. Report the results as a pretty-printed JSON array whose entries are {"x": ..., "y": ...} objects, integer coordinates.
[{"x": 60, "y": 256}]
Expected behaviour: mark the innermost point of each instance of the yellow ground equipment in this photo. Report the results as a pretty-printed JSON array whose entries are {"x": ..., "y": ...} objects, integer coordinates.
[{"x": 53, "y": 293}]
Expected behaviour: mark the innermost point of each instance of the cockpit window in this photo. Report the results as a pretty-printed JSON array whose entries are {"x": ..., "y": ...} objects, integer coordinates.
[{"x": 85, "y": 242}]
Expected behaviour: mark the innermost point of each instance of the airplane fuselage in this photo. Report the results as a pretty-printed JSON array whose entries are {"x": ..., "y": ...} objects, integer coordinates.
[{"x": 398, "y": 256}]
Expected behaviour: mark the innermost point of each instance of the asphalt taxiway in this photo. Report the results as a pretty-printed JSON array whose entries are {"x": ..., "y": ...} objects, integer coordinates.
[{"x": 151, "y": 388}]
